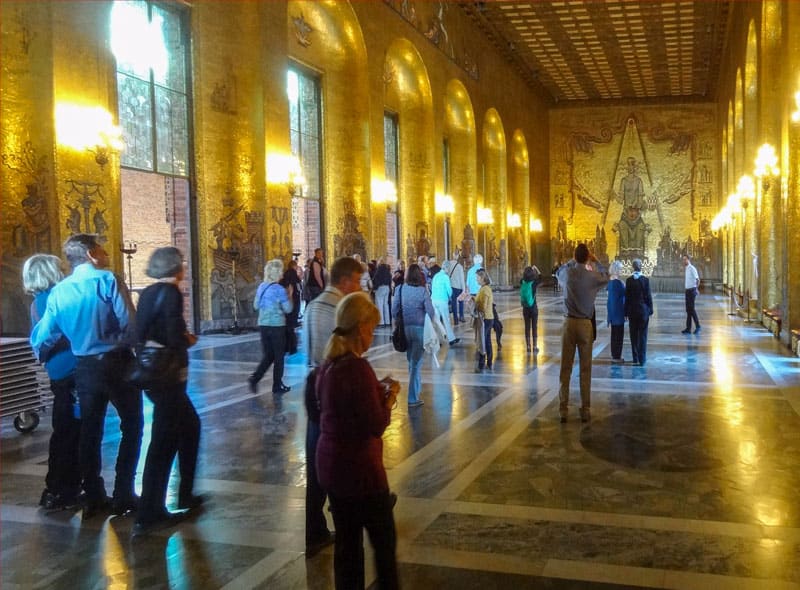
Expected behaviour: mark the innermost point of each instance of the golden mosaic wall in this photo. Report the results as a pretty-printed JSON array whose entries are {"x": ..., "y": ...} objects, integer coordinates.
[{"x": 636, "y": 182}]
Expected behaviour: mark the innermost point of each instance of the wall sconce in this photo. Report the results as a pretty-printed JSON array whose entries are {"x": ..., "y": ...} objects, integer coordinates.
[
  {"x": 88, "y": 128},
  {"x": 383, "y": 192},
  {"x": 734, "y": 204},
  {"x": 796, "y": 113},
  {"x": 444, "y": 205},
  {"x": 513, "y": 220},
  {"x": 766, "y": 165},
  {"x": 746, "y": 189},
  {"x": 286, "y": 170},
  {"x": 535, "y": 225},
  {"x": 721, "y": 220},
  {"x": 485, "y": 216}
]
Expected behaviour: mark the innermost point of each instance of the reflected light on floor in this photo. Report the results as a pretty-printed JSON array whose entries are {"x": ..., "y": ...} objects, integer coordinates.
[
  {"x": 723, "y": 376},
  {"x": 769, "y": 512},
  {"x": 748, "y": 452},
  {"x": 115, "y": 565}
]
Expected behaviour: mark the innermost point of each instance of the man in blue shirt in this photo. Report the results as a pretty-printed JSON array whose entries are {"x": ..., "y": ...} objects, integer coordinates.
[{"x": 92, "y": 309}]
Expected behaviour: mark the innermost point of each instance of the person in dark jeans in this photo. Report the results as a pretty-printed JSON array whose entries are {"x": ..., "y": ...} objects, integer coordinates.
[
  {"x": 92, "y": 309},
  {"x": 176, "y": 425},
  {"x": 638, "y": 309},
  {"x": 273, "y": 305},
  {"x": 691, "y": 284},
  {"x": 40, "y": 274},
  {"x": 318, "y": 324},
  {"x": 291, "y": 282},
  {"x": 530, "y": 310}
]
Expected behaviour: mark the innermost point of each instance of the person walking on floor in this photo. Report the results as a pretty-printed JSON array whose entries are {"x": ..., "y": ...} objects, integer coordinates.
[
  {"x": 580, "y": 283},
  {"x": 355, "y": 410},
  {"x": 530, "y": 310},
  {"x": 318, "y": 325},
  {"x": 383, "y": 288},
  {"x": 441, "y": 293},
  {"x": 40, "y": 273},
  {"x": 416, "y": 303},
  {"x": 176, "y": 425},
  {"x": 691, "y": 285},
  {"x": 638, "y": 309},
  {"x": 273, "y": 305},
  {"x": 615, "y": 308},
  {"x": 293, "y": 285},
  {"x": 484, "y": 308},
  {"x": 93, "y": 310},
  {"x": 458, "y": 284}
]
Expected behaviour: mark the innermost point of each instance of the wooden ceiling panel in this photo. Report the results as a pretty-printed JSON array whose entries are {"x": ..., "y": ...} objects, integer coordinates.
[{"x": 610, "y": 49}]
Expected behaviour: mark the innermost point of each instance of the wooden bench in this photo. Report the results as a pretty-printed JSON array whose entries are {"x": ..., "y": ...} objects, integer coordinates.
[{"x": 771, "y": 318}]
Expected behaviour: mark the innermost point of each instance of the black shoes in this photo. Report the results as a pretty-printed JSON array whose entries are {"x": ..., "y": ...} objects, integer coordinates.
[
  {"x": 191, "y": 501},
  {"x": 51, "y": 501},
  {"x": 455, "y": 341},
  {"x": 121, "y": 507},
  {"x": 252, "y": 384},
  {"x": 164, "y": 521},
  {"x": 313, "y": 548},
  {"x": 686, "y": 331},
  {"x": 281, "y": 389},
  {"x": 96, "y": 507}
]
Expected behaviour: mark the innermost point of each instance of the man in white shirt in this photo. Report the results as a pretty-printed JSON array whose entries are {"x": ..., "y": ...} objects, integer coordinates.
[
  {"x": 458, "y": 284},
  {"x": 691, "y": 284}
]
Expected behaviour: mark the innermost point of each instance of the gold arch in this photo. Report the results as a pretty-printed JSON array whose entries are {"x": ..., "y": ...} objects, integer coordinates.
[
  {"x": 495, "y": 190},
  {"x": 408, "y": 93},
  {"x": 335, "y": 45},
  {"x": 460, "y": 132}
]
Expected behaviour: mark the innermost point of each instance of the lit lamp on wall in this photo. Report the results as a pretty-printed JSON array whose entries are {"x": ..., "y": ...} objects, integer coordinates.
[
  {"x": 535, "y": 225},
  {"x": 485, "y": 218},
  {"x": 444, "y": 205},
  {"x": 766, "y": 165},
  {"x": 286, "y": 170},
  {"x": 733, "y": 206},
  {"x": 384, "y": 192},
  {"x": 746, "y": 189},
  {"x": 88, "y": 128},
  {"x": 796, "y": 113}
]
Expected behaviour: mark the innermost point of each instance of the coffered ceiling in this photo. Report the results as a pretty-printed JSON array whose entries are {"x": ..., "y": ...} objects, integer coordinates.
[{"x": 610, "y": 49}]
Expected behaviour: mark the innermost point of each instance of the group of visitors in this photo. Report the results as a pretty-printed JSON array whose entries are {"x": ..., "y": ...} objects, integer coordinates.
[
  {"x": 84, "y": 330},
  {"x": 581, "y": 279}
]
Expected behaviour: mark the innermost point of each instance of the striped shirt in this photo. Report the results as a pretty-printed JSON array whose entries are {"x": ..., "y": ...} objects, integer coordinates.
[{"x": 319, "y": 320}]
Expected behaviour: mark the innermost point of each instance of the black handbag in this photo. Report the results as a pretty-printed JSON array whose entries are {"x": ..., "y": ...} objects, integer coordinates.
[
  {"x": 399, "y": 340},
  {"x": 155, "y": 365}
]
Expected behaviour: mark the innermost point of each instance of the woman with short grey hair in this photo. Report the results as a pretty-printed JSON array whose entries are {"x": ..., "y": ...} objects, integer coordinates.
[
  {"x": 615, "y": 306},
  {"x": 40, "y": 273},
  {"x": 176, "y": 424},
  {"x": 273, "y": 305}
]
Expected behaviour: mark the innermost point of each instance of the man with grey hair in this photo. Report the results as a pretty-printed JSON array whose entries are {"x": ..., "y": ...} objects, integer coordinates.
[
  {"x": 318, "y": 324},
  {"x": 580, "y": 283},
  {"x": 691, "y": 284},
  {"x": 92, "y": 309}
]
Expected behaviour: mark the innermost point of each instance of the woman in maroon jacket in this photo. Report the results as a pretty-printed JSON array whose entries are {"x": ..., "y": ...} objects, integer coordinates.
[{"x": 355, "y": 410}]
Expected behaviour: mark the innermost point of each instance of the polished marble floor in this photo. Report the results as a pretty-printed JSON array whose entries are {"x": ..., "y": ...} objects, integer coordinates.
[{"x": 686, "y": 478}]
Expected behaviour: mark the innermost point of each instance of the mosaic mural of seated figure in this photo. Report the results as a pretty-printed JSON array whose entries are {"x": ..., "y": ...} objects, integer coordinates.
[{"x": 631, "y": 227}]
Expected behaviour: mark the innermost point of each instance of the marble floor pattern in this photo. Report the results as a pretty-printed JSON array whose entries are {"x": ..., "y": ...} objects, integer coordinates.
[{"x": 685, "y": 478}]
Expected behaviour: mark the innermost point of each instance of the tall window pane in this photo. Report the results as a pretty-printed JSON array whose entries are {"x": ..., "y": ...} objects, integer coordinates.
[{"x": 149, "y": 45}]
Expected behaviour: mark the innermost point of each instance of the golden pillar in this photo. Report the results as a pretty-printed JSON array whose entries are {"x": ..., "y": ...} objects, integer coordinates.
[
  {"x": 520, "y": 189},
  {"x": 495, "y": 187},
  {"x": 790, "y": 156},
  {"x": 459, "y": 130}
]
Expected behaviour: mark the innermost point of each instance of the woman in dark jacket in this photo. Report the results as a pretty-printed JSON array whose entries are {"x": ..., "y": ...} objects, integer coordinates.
[
  {"x": 176, "y": 425},
  {"x": 355, "y": 410},
  {"x": 615, "y": 308},
  {"x": 291, "y": 282},
  {"x": 382, "y": 283},
  {"x": 638, "y": 309},
  {"x": 416, "y": 304}
]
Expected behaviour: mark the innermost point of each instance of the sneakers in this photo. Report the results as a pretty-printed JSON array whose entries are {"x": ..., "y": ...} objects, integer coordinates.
[
  {"x": 416, "y": 404},
  {"x": 686, "y": 331},
  {"x": 281, "y": 389},
  {"x": 252, "y": 385}
]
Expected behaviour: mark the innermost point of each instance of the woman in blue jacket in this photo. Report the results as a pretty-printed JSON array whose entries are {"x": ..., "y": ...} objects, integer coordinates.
[{"x": 616, "y": 311}]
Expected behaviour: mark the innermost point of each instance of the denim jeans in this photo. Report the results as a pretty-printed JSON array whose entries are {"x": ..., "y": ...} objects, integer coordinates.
[
  {"x": 414, "y": 335},
  {"x": 63, "y": 468},
  {"x": 99, "y": 380}
]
